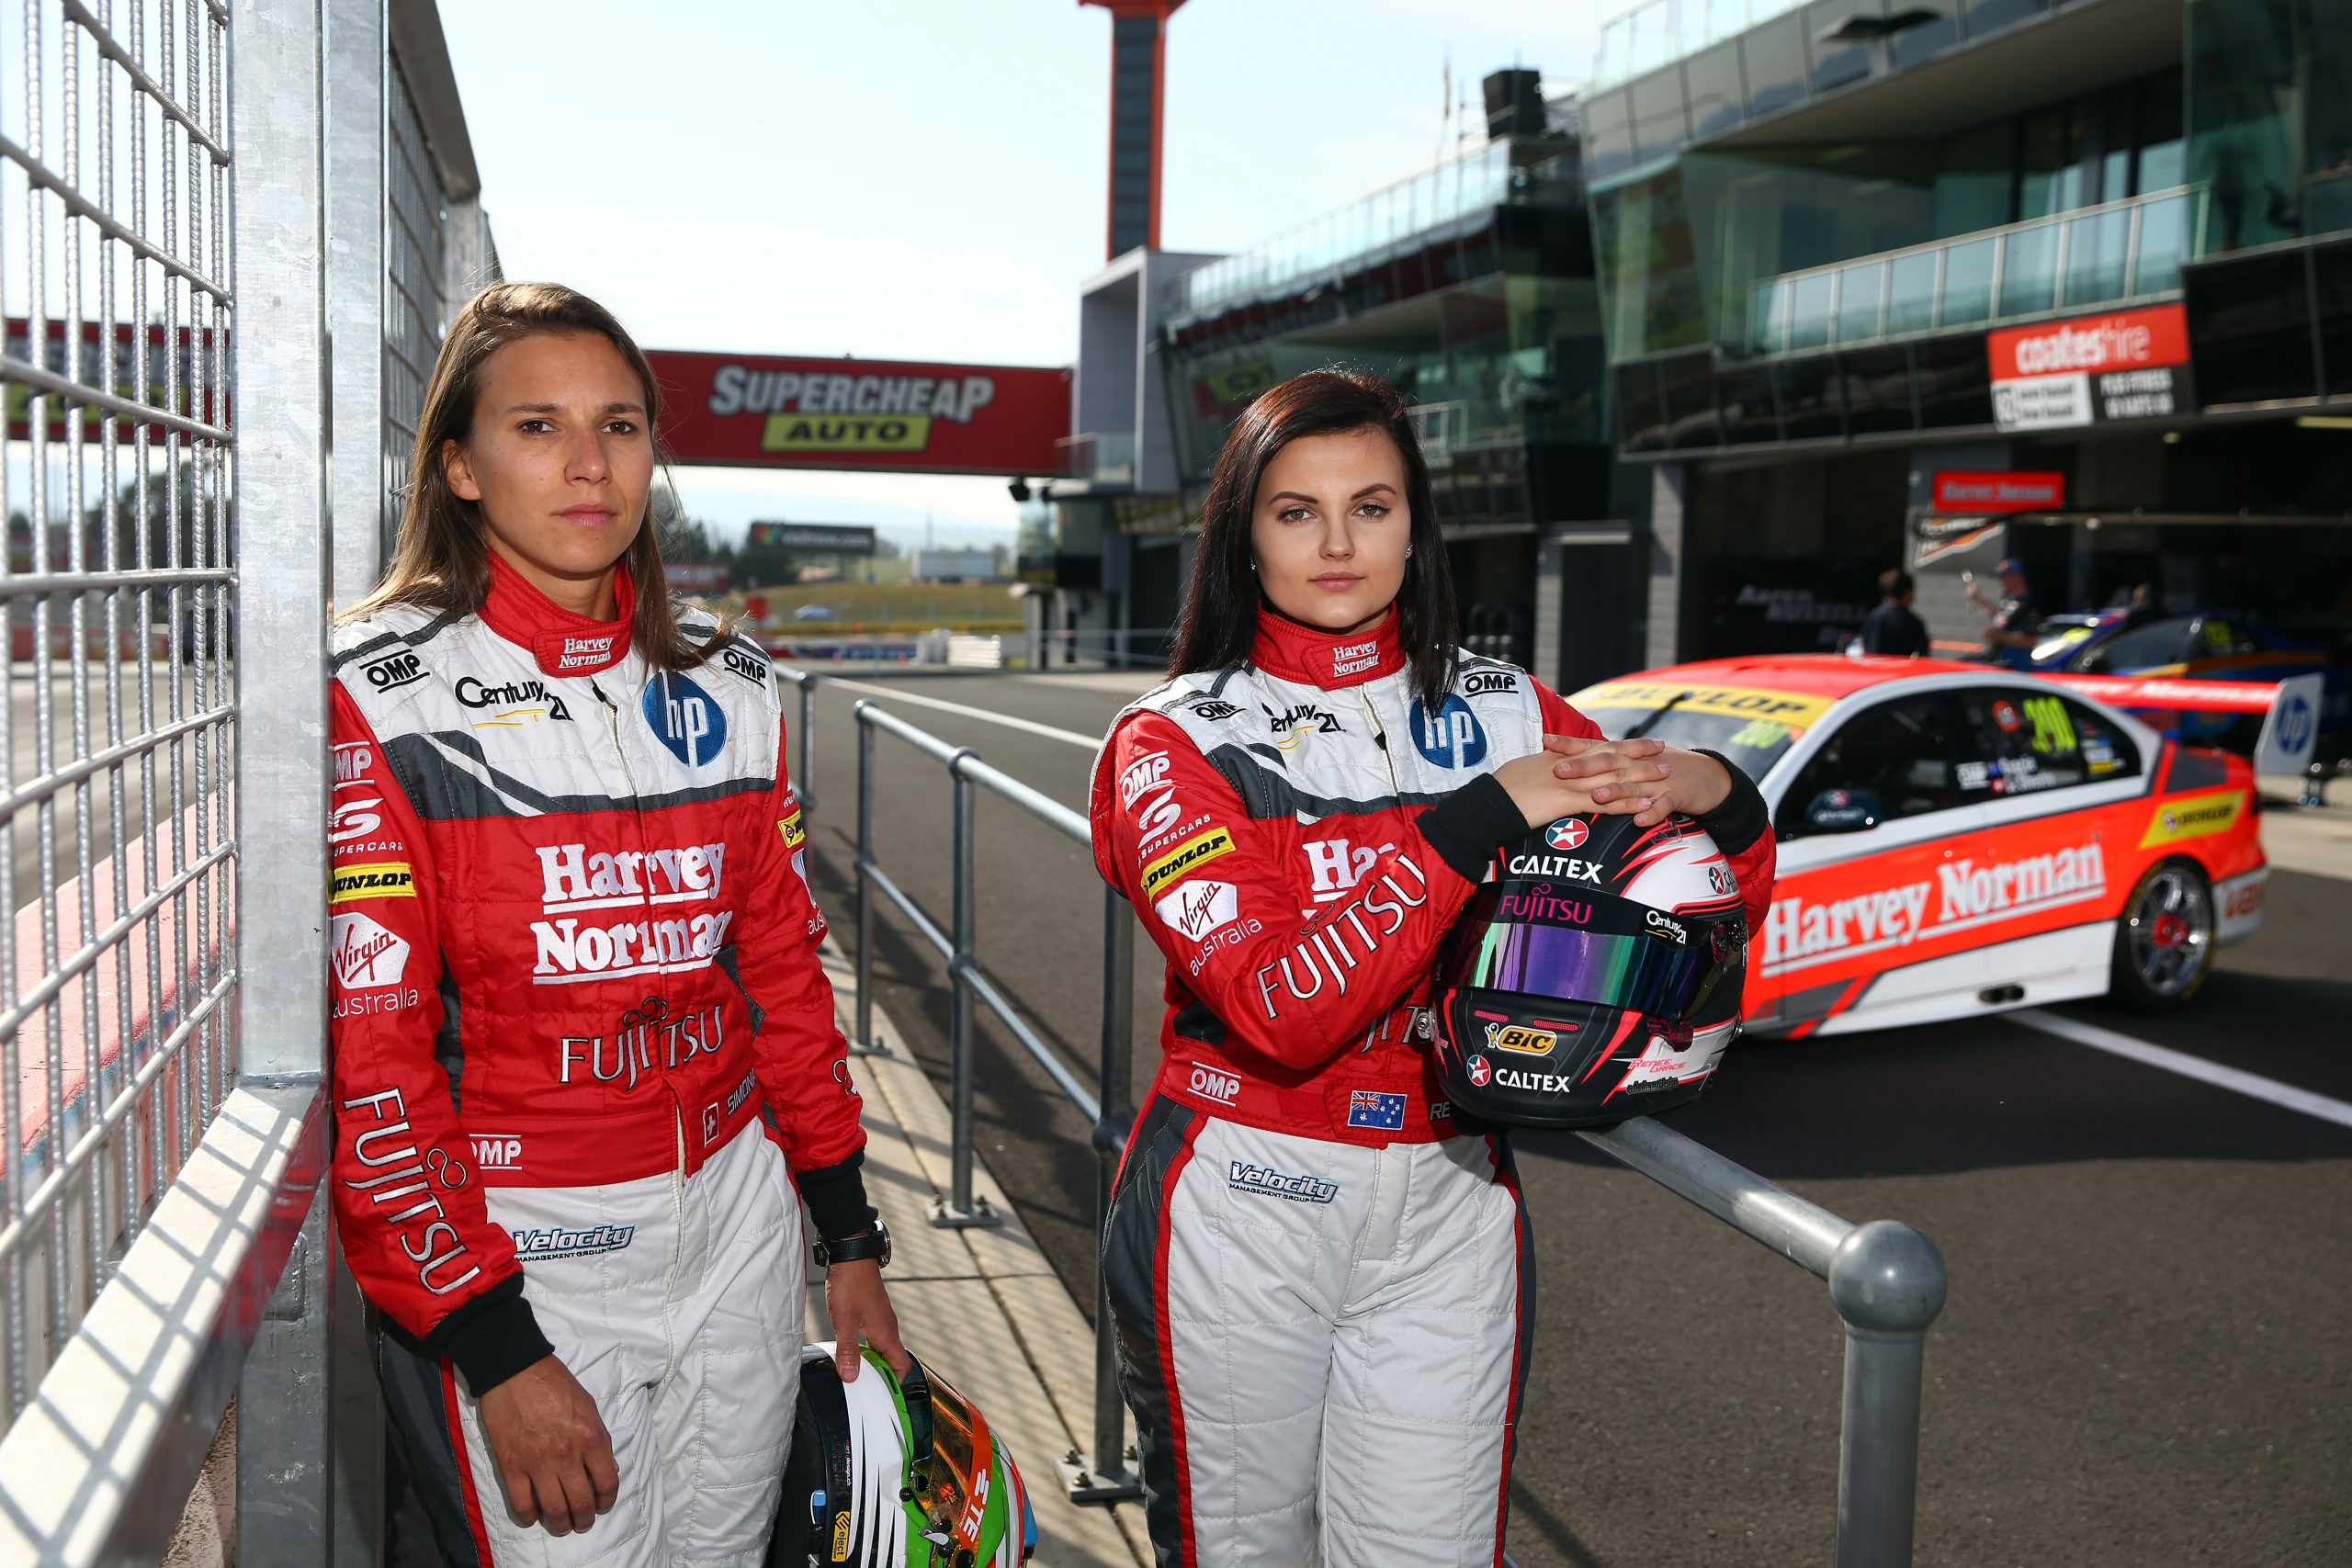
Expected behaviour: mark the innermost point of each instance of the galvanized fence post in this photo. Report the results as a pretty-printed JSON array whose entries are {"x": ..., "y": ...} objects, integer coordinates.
[
  {"x": 1888, "y": 1283},
  {"x": 959, "y": 1210},
  {"x": 1105, "y": 1476},
  {"x": 865, "y": 868},
  {"x": 803, "y": 781},
  {"x": 285, "y": 1444}
]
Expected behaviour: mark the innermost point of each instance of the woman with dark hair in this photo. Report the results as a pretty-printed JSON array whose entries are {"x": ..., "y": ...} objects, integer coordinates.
[
  {"x": 1321, "y": 1282},
  {"x": 574, "y": 977}
]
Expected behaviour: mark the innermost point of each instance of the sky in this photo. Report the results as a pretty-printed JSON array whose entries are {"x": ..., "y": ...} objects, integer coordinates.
[{"x": 925, "y": 179}]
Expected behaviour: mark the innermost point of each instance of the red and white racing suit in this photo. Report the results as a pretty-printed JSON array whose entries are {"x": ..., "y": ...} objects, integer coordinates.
[
  {"x": 1323, "y": 1291},
  {"x": 574, "y": 960}
]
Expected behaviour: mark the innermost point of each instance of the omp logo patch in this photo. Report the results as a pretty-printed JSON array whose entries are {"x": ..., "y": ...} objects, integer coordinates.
[
  {"x": 377, "y": 879},
  {"x": 393, "y": 670},
  {"x": 2193, "y": 817},
  {"x": 1184, "y": 859}
]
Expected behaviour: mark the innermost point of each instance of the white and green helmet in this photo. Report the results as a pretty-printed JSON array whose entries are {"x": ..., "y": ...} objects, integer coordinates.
[{"x": 896, "y": 1472}]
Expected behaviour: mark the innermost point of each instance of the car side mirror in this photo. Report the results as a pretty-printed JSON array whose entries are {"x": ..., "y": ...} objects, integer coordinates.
[{"x": 1841, "y": 811}]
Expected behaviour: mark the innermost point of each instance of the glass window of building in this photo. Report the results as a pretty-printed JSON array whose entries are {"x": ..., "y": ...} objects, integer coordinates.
[
  {"x": 2095, "y": 247},
  {"x": 1717, "y": 102},
  {"x": 1862, "y": 297},
  {"x": 1837, "y": 61},
  {"x": 2165, "y": 234},
  {"x": 1968, "y": 282},
  {"x": 1990, "y": 15},
  {"x": 2163, "y": 151},
  {"x": 1775, "y": 56},
  {"x": 1975, "y": 176},
  {"x": 2270, "y": 118},
  {"x": 1810, "y": 305},
  {"x": 2053, "y": 174},
  {"x": 1911, "y": 292},
  {"x": 1659, "y": 126},
  {"x": 2029, "y": 269}
]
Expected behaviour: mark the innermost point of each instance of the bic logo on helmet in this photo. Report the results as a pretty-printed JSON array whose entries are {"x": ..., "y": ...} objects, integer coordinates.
[
  {"x": 684, "y": 718},
  {"x": 1449, "y": 735}
]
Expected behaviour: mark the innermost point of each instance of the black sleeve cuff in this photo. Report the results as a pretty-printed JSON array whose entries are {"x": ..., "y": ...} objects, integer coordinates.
[
  {"x": 490, "y": 1338},
  {"x": 1467, "y": 826},
  {"x": 836, "y": 1198},
  {"x": 1741, "y": 819}
]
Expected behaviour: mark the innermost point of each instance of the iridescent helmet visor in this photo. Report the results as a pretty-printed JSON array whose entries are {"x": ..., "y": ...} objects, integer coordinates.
[{"x": 1695, "y": 980}]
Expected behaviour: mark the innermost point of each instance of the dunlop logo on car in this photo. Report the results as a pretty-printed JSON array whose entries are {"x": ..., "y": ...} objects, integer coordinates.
[
  {"x": 2193, "y": 817},
  {"x": 380, "y": 879},
  {"x": 794, "y": 834},
  {"x": 1185, "y": 858}
]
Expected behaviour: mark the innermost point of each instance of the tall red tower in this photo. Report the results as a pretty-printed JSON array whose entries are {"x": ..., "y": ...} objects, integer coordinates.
[{"x": 1138, "y": 69}]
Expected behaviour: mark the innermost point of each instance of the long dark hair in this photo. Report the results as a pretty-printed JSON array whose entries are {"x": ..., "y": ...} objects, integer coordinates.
[
  {"x": 441, "y": 560},
  {"x": 1221, "y": 605}
]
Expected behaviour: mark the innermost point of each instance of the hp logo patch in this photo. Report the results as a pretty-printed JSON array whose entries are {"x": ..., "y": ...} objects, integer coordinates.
[
  {"x": 2295, "y": 724},
  {"x": 1567, "y": 833},
  {"x": 685, "y": 719},
  {"x": 1449, "y": 735}
]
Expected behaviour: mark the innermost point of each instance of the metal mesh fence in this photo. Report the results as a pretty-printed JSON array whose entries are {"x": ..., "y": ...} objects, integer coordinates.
[
  {"x": 416, "y": 297},
  {"x": 118, "y": 844}
]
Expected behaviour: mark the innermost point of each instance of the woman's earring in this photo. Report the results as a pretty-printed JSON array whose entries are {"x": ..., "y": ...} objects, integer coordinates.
[
  {"x": 1408, "y": 552},
  {"x": 1253, "y": 566}
]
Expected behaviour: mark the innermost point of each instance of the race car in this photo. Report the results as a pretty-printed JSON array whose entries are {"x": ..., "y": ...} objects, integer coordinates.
[
  {"x": 1956, "y": 840},
  {"x": 2203, "y": 647}
]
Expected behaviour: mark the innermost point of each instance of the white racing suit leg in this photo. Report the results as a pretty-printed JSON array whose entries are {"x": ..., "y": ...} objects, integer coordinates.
[
  {"x": 1323, "y": 1343},
  {"x": 676, "y": 1301}
]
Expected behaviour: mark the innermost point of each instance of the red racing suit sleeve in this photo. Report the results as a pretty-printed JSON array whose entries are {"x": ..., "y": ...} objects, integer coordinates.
[
  {"x": 415, "y": 1229},
  {"x": 1228, "y": 892},
  {"x": 799, "y": 1053},
  {"x": 1740, "y": 826}
]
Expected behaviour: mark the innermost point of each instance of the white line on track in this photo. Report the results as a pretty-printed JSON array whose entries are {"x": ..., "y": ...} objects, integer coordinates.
[
  {"x": 891, "y": 694},
  {"x": 2186, "y": 1066}
]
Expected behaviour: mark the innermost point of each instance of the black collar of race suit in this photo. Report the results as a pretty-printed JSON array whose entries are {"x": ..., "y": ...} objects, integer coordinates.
[
  {"x": 1311, "y": 656},
  {"x": 564, "y": 643}
]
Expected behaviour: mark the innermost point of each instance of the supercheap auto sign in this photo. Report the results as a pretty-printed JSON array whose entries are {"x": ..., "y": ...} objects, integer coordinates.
[{"x": 748, "y": 411}]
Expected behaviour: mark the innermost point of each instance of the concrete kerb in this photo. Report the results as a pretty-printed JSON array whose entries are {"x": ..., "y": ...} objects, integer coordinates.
[
  {"x": 2298, "y": 838},
  {"x": 981, "y": 1304}
]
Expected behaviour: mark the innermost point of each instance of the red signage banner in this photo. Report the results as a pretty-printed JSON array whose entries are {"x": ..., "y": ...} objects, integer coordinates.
[
  {"x": 1992, "y": 490},
  {"x": 2090, "y": 369},
  {"x": 891, "y": 416}
]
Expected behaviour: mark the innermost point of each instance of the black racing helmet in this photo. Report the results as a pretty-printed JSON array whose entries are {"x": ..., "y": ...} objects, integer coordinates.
[{"x": 1597, "y": 976}]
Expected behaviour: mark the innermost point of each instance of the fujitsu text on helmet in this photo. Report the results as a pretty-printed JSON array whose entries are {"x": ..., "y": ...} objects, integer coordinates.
[
  {"x": 1597, "y": 976},
  {"x": 887, "y": 1471}
]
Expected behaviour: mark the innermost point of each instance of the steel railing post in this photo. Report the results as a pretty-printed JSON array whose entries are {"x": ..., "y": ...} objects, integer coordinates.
[
  {"x": 960, "y": 1209},
  {"x": 863, "y": 960},
  {"x": 1888, "y": 1283},
  {"x": 1105, "y": 1476},
  {"x": 802, "y": 778}
]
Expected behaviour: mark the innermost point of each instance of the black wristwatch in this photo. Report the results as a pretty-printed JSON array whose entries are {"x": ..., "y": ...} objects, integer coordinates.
[{"x": 874, "y": 1243}]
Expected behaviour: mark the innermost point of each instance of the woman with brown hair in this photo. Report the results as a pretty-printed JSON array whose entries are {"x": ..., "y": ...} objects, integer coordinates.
[
  {"x": 1320, "y": 1275},
  {"x": 583, "y": 1052}
]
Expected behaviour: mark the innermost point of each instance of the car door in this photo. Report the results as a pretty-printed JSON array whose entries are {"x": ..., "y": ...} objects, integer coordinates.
[
  {"x": 2042, "y": 879},
  {"x": 1870, "y": 821}
]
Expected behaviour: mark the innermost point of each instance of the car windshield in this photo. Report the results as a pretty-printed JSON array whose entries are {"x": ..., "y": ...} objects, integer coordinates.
[
  {"x": 1752, "y": 727},
  {"x": 2062, "y": 641}
]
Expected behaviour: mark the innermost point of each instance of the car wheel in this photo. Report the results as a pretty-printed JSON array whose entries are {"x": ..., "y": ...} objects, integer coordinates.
[{"x": 2164, "y": 941}]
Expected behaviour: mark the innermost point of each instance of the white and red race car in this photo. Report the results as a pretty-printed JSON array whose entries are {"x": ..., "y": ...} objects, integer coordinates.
[{"x": 1956, "y": 838}]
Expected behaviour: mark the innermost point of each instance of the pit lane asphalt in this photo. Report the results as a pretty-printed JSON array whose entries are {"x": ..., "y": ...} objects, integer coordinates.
[{"x": 2147, "y": 1359}]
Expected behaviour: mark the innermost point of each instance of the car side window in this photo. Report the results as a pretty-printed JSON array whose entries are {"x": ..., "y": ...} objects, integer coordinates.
[
  {"x": 1898, "y": 753},
  {"x": 2018, "y": 741},
  {"x": 2142, "y": 648}
]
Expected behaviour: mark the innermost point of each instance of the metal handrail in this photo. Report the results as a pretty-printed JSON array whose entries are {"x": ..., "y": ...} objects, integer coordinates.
[{"x": 1886, "y": 1281}]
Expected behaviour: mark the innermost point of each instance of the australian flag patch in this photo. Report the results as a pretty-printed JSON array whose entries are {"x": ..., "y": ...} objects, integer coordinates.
[{"x": 1370, "y": 1108}]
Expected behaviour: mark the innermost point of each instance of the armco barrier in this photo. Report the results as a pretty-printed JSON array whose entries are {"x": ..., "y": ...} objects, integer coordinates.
[{"x": 1886, "y": 1281}]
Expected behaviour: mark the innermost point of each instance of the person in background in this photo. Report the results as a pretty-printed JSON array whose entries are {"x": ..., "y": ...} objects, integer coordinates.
[
  {"x": 2015, "y": 623},
  {"x": 2142, "y": 608},
  {"x": 1893, "y": 629}
]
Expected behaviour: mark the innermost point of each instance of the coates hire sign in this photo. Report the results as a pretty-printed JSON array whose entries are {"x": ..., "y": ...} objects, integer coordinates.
[
  {"x": 2128, "y": 364},
  {"x": 1999, "y": 490},
  {"x": 743, "y": 410}
]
